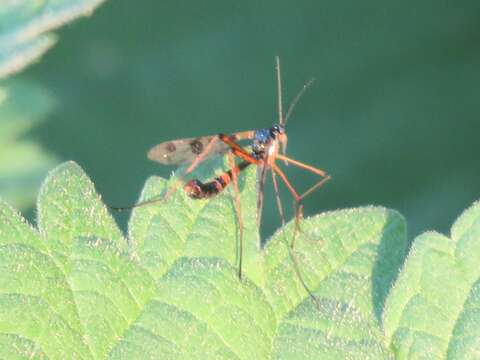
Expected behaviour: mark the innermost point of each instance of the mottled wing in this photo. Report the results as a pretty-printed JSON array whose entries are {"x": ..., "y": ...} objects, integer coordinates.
[{"x": 182, "y": 151}]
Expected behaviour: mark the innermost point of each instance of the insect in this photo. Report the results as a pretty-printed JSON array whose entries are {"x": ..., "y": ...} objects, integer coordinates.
[{"x": 267, "y": 147}]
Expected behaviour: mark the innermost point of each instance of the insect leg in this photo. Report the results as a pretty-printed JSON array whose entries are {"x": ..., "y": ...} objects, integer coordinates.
[
  {"x": 298, "y": 214},
  {"x": 261, "y": 176},
  {"x": 282, "y": 175},
  {"x": 302, "y": 165},
  {"x": 237, "y": 150},
  {"x": 142, "y": 203},
  {"x": 238, "y": 211},
  {"x": 312, "y": 169},
  {"x": 277, "y": 197},
  {"x": 296, "y": 197}
]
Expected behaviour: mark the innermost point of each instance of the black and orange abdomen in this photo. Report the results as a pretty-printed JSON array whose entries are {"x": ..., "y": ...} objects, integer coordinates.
[{"x": 198, "y": 190}]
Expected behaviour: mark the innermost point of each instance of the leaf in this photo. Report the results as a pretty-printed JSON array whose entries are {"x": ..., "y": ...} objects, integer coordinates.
[
  {"x": 37, "y": 307},
  {"x": 350, "y": 258},
  {"x": 77, "y": 286},
  {"x": 15, "y": 57},
  {"x": 23, "y": 162},
  {"x": 164, "y": 232},
  {"x": 25, "y": 27},
  {"x": 24, "y": 36},
  {"x": 434, "y": 308}
]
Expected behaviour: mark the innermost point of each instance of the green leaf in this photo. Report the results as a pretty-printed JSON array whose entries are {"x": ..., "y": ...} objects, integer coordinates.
[
  {"x": 434, "y": 308},
  {"x": 37, "y": 307},
  {"x": 24, "y": 36},
  {"x": 25, "y": 28},
  {"x": 349, "y": 258},
  {"x": 23, "y": 162},
  {"x": 182, "y": 227},
  {"x": 15, "y": 57},
  {"x": 77, "y": 286}
]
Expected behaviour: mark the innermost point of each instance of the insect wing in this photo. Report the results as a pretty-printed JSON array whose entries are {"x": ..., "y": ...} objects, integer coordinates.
[{"x": 183, "y": 151}]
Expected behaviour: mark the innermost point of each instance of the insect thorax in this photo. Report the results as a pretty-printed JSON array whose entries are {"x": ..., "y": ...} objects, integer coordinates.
[{"x": 262, "y": 141}]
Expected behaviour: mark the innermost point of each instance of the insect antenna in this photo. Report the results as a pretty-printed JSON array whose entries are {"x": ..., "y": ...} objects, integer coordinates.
[
  {"x": 281, "y": 119},
  {"x": 279, "y": 91},
  {"x": 297, "y": 98}
]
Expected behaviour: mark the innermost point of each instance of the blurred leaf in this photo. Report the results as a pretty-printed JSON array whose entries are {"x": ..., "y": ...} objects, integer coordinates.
[
  {"x": 75, "y": 289},
  {"x": 25, "y": 26},
  {"x": 434, "y": 307},
  {"x": 23, "y": 163},
  {"x": 24, "y": 37},
  {"x": 14, "y": 58}
]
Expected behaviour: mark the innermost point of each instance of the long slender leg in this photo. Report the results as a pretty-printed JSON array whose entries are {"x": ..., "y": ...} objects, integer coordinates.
[
  {"x": 300, "y": 278},
  {"x": 238, "y": 211},
  {"x": 277, "y": 197},
  {"x": 302, "y": 165},
  {"x": 282, "y": 175},
  {"x": 152, "y": 200},
  {"x": 237, "y": 149},
  {"x": 297, "y": 198},
  {"x": 315, "y": 170},
  {"x": 315, "y": 186},
  {"x": 261, "y": 176},
  {"x": 299, "y": 215}
]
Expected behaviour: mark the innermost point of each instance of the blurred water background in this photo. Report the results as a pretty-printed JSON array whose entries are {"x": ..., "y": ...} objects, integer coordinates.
[{"x": 393, "y": 115}]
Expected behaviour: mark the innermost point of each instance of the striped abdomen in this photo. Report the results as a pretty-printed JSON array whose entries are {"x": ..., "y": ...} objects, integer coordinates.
[{"x": 198, "y": 190}]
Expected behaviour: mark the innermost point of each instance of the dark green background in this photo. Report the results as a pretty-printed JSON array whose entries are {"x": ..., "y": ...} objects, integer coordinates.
[{"x": 393, "y": 116}]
